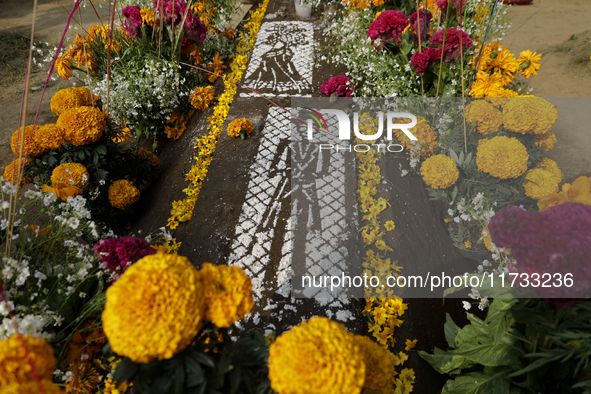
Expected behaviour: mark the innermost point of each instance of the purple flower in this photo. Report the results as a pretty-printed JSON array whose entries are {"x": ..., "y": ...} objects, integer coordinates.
[
  {"x": 388, "y": 26},
  {"x": 557, "y": 241},
  {"x": 194, "y": 28},
  {"x": 116, "y": 254},
  {"x": 133, "y": 21},
  {"x": 339, "y": 85},
  {"x": 452, "y": 42}
]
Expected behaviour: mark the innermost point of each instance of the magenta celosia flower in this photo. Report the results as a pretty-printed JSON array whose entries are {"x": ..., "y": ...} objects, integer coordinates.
[
  {"x": 433, "y": 53},
  {"x": 194, "y": 28},
  {"x": 339, "y": 85},
  {"x": 452, "y": 43},
  {"x": 174, "y": 12},
  {"x": 420, "y": 62},
  {"x": 455, "y": 4},
  {"x": 116, "y": 254},
  {"x": 557, "y": 241},
  {"x": 388, "y": 27},
  {"x": 420, "y": 23},
  {"x": 133, "y": 21}
]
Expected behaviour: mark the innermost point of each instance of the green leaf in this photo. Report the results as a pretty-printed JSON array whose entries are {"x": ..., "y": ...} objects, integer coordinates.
[
  {"x": 490, "y": 381},
  {"x": 454, "y": 156},
  {"x": 461, "y": 159},
  {"x": 125, "y": 371},
  {"x": 202, "y": 358},
  {"x": 451, "y": 331},
  {"x": 498, "y": 329},
  {"x": 444, "y": 362}
]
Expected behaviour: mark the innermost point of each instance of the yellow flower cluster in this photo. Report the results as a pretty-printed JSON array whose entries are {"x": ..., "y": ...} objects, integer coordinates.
[
  {"x": 440, "y": 171},
  {"x": 502, "y": 157},
  {"x": 427, "y": 138},
  {"x": 498, "y": 67},
  {"x": 70, "y": 174},
  {"x": 14, "y": 366},
  {"x": 227, "y": 293},
  {"x": 12, "y": 169},
  {"x": 529, "y": 115},
  {"x": 66, "y": 99},
  {"x": 155, "y": 309},
  {"x": 488, "y": 119},
  {"x": 237, "y": 126},
  {"x": 383, "y": 315},
  {"x": 122, "y": 193},
  {"x": 579, "y": 192},
  {"x": 201, "y": 98},
  {"x": 205, "y": 146},
  {"x": 82, "y": 125},
  {"x": 37, "y": 141},
  {"x": 318, "y": 356}
]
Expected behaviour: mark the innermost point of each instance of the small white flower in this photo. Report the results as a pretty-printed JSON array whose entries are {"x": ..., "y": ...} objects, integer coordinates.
[{"x": 466, "y": 305}]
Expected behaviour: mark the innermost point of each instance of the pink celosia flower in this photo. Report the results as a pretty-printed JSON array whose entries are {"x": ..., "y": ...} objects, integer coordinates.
[
  {"x": 133, "y": 21},
  {"x": 340, "y": 85},
  {"x": 116, "y": 254},
  {"x": 452, "y": 43},
  {"x": 388, "y": 27},
  {"x": 420, "y": 62}
]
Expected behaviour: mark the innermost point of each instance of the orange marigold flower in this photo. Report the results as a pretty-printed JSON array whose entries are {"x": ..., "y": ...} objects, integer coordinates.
[
  {"x": 66, "y": 99},
  {"x": 82, "y": 125},
  {"x": 201, "y": 97},
  {"x": 240, "y": 128},
  {"x": 37, "y": 141},
  {"x": 12, "y": 169},
  {"x": 541, "y": 183},
  {"x": 227, "y": 292},
  {"x": 154, "y": 161},
  {"x": 70, "y": 174},
  {"x": 123, "y": 193},
  {"x": 380, "y": 370},
  {"x": 545, "y": 141},
  {"x": 484, "y": 85},
  {"x": 63, "y": 67},
  {"x": 14, "y": 367}
]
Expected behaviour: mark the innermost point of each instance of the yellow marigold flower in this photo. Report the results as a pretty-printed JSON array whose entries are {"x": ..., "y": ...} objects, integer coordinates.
[
  {"x": 201, "y": 98},
  {"x": 147, "y": 16},
  {"x": 410, "y": 344},
  {"x": 12, "y": 170},
  {"x": 545, "y": 141},
  {"x": 174, "y": 133},
  {"x": 488, "y": 119},
  {"x": 82, "y": 125},
  {"x": 14, "y": 367},
  {"x": 63, "y": 67},
  {"x": 529, "y": 115},
  {"x": 427, "y": 138},
  {"x": 468, "y": 245},
  {"x": 381, "y": 245},
  {"x": 379, "y": 366},
  {"x": 552, "y": 166},
  {"x": 227, "y": 292},
  {"x": 70, "y": 174},
  {"x": 240, "y": 127},
  {"x": 505, "y": 64},
  {"x": 541, "y": 183},
  {"x": 529, "y": 63},
  {"x": 154, "y": 161},
  {"x": 502, "y": 157},
  {"x": 155, "y": 309},
  {"x": 440, "y": 171},
  {"x": 319, "y": 356},
  {"x": 579, "y": 192},
  {"x": 123, "y": 193},
  {"x": 31, "y": 387},
  {"x": 389, "y": 225}
]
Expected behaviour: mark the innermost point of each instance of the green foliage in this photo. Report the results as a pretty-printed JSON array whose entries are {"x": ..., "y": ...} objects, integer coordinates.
[
  {"x": 212, "y": 364},
  {"x": 523, "y": 346}
]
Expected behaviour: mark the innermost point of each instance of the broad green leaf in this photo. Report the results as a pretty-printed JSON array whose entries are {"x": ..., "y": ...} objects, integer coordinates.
[
  {"x": 488, "y": 354},
  {"x": 451, "y": 330},
  {"x": 497, "y": 329}
]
